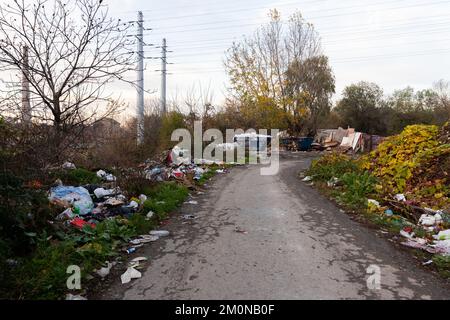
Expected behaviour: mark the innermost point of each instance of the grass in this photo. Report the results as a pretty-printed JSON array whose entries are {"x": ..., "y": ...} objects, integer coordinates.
[
  {"x": 443, "y": 265},
  {"x": 165, "y": 198}
]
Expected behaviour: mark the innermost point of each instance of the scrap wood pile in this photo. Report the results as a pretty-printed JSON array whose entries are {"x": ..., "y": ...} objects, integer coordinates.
[
  {"x": 345, "y": 140},
  {"x": 405, "y": 181}
]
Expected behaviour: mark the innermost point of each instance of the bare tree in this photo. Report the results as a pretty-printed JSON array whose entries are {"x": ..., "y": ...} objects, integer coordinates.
[
  {"x": 74, "y": 50},
  {"x": 442, "y": 89},
  {"x": 257, "y": 65}
]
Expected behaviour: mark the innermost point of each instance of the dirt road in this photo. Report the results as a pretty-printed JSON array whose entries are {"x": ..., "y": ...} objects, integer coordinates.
[{"x": 273, "y": 237}]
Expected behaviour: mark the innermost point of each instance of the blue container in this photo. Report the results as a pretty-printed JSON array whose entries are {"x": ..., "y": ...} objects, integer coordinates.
[{"x": 304, "y": 143}]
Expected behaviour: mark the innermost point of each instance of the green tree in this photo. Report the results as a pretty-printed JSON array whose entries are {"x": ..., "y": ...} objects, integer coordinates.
[
  {"x": 362, "y": 107},
  {"x": 257, "y": 65},
  {"x": 310, "y": 85}
]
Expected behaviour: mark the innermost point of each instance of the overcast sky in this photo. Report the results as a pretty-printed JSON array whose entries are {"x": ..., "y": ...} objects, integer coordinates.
[{"x": 394, "y": 43}]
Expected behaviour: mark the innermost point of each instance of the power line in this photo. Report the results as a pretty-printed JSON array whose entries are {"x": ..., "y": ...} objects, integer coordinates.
[
  {"x": 238, "y": 20},
  {"x": 229, "y": 11},
  {"x": 309, "y": 19}
]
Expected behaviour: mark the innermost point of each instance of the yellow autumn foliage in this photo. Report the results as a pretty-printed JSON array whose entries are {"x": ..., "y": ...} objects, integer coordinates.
[{"x": 399, "y": 159}]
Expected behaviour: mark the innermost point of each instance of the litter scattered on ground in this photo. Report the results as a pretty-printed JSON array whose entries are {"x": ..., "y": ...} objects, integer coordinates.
[
  {"x": 104, "y": 271},
  {"x": 307, "y": 179},
  {"x": 139, "y": 259},
  {"x": 407, "y": 233},
  {"x": 400, "y": 197},
  {"x": 159, "y": 233},
  {"x": 189, "y": 217},
  {"x": 150, "y": 214},
  {"x": 191, "y": 202},
  {"x": 101, "y": 192},
  {"x": 70, "y": 296},
  {"x": 443, "y": 235},
  {"x": 130, "y": 274},
  {"x": 131, "y": 250},
  {"x": 442, "y": 246},
  {"x": 239, "y": 230},
  {"x": 76, "y": 197},
  {"x": 373, "y": 202},
  {"x": 68, "y": 166},
  {"x": 144, "y": 239},
  {"x": 106, "y": 176},
  {"x": 333, "y": 182},
  {"x": 142, "y": 198},
  {"x": 80, "y": 223}
]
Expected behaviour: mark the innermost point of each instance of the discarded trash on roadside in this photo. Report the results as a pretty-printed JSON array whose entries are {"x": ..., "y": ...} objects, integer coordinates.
[
  {"x": 131, "y": 250},
  {"x": 373, "y": 202},
  {"x": 443, "y": 235},
  {"x": 332, "y": 182},
  {"x": 400, "y": 197},
  {"x": 142, "y": 198},
  {"x": 307, "y": 179},
  {"x": 150, "y": 238},
  {"x": 189, "y": 217},
  {"x": 150, "y": 214},
  {"x": 106, "y": 176},
  {"x": 104, "y": 271},
  {"x": 70, "y": 296},
  {"x": 113, "y": 202},
  {"x": 130, "y": 274},
  {"x": 239, "y": 230},
  {"x": 159, "y": 233},
  {"x": 76, "y": 197},
  {"x": 407, "y": 232},
  {"x": 68, "y": 166},
  {"x": 191, "y": 202},
  {"x": 139, "y": 259},
  {"x": 80, "y": 223},
  {"x": 66, "y": 214}
]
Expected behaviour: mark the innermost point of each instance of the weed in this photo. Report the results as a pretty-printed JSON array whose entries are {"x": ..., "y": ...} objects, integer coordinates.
[
  {"x": 77, "y": 176},
  {"x": 443, "y": 265},
  {"x": 165, "y": 198}
]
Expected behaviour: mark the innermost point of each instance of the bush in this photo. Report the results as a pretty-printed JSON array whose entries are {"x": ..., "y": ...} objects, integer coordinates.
[
  {"x": 77, "y": 176},
  {"x": 333, "y": 165},
  {"x": 23, "y": 213},
  {"x": 415, "y": 162},
  {"x": 357, "y": 187}
]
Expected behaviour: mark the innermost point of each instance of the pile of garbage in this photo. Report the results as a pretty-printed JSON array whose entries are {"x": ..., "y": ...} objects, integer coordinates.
[
  {"x": 345, "y": 140},
  {"x": 179, "y": 166},
  {"x": 434, "y": 224},
  {"x": 89, "y": 204}
]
